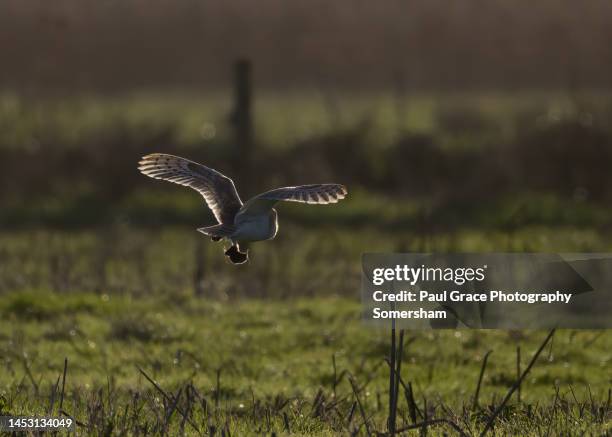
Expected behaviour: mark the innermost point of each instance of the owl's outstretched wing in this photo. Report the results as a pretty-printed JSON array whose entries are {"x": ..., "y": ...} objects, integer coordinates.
[
  {"x": 317, "y": 194},
  {"x": 218, "y": 190}
]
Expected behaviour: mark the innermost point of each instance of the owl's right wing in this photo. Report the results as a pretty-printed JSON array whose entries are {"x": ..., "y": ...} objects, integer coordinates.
[{"x": 218, "y": 190}]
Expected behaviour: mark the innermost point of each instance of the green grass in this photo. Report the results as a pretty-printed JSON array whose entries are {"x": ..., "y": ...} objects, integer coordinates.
[
  {"x": 254, "y": 351},
  {"x": 271, "y": 349},
  {"x": 113, "y": 300},
  {"x": 283, "y": 119}
]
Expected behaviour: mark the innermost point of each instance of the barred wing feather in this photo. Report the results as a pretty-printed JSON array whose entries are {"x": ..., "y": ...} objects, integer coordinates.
[
  {"x": 218, "y": 190},
  {"x": 317, "y": 194}
]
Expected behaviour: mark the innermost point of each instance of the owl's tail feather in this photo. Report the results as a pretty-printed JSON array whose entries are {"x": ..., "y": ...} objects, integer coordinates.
[
  {"x": 218, "y": 232},
  {"x": 235, "y": 256}
]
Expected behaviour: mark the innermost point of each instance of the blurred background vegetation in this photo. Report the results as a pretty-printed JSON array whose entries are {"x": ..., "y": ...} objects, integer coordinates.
[
  {"x": 460, "y": 110},
  {"x": 451, "y": 108},
  {"x": 457, "y": 126}
]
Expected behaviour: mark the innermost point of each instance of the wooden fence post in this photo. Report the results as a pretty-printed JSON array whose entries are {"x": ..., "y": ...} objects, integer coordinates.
[
  {"x": 199, "y": 268},
  {"x": 242, "y": 120}
]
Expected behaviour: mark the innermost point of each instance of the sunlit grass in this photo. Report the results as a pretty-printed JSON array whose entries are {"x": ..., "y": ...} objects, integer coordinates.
[
  {"x": 115, "y": 299},
  {"x": 281, "y": 119}
]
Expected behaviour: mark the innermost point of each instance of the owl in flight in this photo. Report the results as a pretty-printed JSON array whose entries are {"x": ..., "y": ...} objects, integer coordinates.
[{"x": 240, "y": 224}]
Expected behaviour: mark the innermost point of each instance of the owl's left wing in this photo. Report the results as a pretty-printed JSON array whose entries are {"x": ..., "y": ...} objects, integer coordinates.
[{"x": 316, "y": 194}]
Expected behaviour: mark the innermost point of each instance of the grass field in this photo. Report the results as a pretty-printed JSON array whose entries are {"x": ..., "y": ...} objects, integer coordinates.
[
  {"x": 267, "y": 348},
  {"x": 103, "y": 268}
]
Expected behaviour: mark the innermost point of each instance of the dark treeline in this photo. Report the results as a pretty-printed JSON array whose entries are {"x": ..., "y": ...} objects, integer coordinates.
[{"x": 68, "y": 45}]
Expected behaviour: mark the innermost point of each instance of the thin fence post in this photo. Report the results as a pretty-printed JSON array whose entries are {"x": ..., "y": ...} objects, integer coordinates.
[
  {"x": 518, "y": 372},
  {"x": 242, "y": 119},
  {"x": 199, "y": 271}
]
